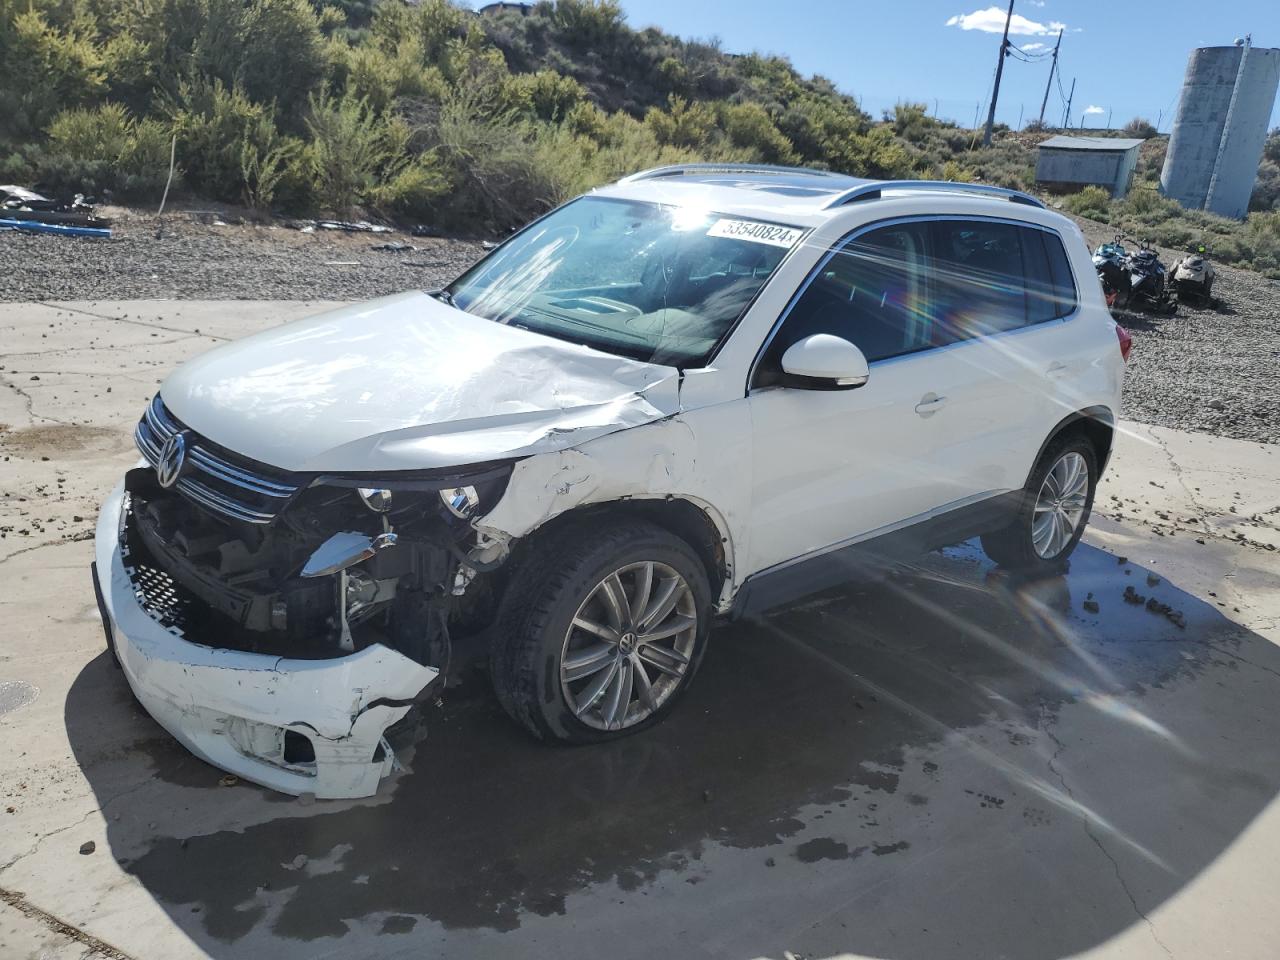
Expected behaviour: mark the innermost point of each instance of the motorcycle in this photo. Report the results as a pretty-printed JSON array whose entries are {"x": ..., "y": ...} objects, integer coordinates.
[
  {"x": 1192, "y": 278},
  {"x": 1149, "y": 282},
  {"x": 1111, "y": 262}
]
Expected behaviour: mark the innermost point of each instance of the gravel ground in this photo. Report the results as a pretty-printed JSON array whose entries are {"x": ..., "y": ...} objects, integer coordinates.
[
  {"x": 1213, "y": 370},
  {"x": 193, "y": 259},
  {"x": 1210, "y": 370}
]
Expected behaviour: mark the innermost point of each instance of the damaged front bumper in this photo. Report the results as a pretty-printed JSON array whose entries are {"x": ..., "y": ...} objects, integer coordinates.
[{"x": 294, "y": 725}]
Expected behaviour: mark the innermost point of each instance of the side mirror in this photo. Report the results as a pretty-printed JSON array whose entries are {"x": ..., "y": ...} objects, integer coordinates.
[{"x": 825, "y": 362}]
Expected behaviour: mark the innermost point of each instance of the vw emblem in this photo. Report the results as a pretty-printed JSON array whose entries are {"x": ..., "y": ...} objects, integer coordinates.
[{"x": 172, "y": 457}]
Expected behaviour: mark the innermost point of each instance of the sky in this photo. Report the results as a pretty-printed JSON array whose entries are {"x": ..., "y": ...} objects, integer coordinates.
[{"x": 1128, "y": 59}]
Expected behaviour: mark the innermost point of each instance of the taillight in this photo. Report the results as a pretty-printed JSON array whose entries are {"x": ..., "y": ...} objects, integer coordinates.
[{"x": 1126, "y": 342}]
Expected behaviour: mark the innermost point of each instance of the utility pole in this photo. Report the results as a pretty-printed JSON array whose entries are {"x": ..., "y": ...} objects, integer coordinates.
[
  {"x": 1110, "y": 110},
  {"x": 995, "y": 91},
  {"x": 1021, "y": 107},
  {"x": 1054, "y": 66},
  {"x": 1066, "y": 117}
]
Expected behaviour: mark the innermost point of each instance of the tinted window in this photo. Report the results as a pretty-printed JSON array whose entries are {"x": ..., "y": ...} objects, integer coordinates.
[
  {"x": 1042, "y": 300},
  {"x": 979, "y": 285},
  {"x": 1064, "y": 287},
  {"x": 871, "y": 292}
]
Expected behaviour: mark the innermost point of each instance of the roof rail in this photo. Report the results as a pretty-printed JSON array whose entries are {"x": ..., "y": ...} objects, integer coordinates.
[
  {"x": 686, "y": 169},
  {"x": 874, "y": 190}
]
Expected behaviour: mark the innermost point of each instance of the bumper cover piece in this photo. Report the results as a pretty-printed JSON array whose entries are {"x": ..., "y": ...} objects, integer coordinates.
[{"x": 233, "y": 708}]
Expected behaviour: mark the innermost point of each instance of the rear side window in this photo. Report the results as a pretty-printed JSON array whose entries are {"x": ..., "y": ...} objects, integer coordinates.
[
  {"x": 979, "y": 278},
  {"x": 1064, "y": 285}
]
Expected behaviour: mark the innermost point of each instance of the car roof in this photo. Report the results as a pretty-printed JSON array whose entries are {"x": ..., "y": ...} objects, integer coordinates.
[{"x": 792, "y": 195}]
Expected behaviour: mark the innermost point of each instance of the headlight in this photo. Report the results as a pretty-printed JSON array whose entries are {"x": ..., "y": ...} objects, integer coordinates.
[
  {"x": 460, "y": 501},
  {"x": 377, "y": 499}
]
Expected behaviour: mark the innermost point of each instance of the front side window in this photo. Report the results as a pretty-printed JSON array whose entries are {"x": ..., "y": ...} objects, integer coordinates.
[
  {"x": 658, "y": 283},
  {"x": 871, "y": 292}
]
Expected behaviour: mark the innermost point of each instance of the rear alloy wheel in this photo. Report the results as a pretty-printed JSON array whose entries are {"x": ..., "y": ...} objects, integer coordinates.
[
  {"x": 601, "y": 631},
  {"x": 1053, "y": 511},
  {"x": 629, "y": 645},
  {"x": 1060, "y": 505}
]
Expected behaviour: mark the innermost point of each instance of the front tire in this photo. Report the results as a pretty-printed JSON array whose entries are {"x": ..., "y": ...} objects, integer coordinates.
[
  {"x": 1053, "y": 510},
  {"x": 601, "y": 632}
]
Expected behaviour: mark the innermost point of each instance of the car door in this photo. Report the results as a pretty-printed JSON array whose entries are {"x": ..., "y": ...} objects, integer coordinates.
[
  {"x": 831, "y": 466},
  {"x": 997, "y": 297}
]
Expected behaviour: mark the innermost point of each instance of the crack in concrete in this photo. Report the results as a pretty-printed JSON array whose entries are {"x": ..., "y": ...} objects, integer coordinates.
[
  {"x": 137, "y": 323},
  {"x": 1176, "y": 468},
  {"x": 36, "y": 546},
  {"x": 1059, "y": 746},
  {"x": 95, "y": 946},
  {"x": 99, "y": 347},
  {"x": 29, "y": 402}
]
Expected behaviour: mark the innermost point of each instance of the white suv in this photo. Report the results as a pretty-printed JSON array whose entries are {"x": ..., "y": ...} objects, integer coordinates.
[{"x": 700, "y": 392}]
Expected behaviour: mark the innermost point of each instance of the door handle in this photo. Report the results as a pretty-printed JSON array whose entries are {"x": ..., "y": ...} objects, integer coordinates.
[{"x": 930, "y": 404}]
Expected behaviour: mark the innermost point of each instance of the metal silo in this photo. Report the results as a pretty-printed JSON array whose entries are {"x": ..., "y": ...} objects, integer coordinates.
[{"x": 1220, "y": 127}]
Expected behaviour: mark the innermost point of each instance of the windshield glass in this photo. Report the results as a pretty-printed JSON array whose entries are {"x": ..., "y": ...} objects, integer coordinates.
[{"x": 657, "y": 283}]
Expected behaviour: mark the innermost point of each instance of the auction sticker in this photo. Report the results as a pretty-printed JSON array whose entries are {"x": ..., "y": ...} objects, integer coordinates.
[{"x": 770, "y": 233}]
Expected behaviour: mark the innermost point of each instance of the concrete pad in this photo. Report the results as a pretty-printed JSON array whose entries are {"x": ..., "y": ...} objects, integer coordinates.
[{"x": 943, "y": 763}]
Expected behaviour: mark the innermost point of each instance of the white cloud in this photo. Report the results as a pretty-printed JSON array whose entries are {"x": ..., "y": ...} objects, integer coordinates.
[
  {"x": 1032, "y": 47},
  {"x": 1093, "y": 108},
  {"x": 1036, "y": 3},
  {"x": 991, "y": 20}
]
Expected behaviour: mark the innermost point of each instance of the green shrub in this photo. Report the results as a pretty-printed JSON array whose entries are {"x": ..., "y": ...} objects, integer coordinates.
[
  {"x": 683, "y": 123},
  {"x": 352, "y": 151},
  {"x": 43, "y": 70},
  {"x": 1091, "y": 202},
  {"x": 105, "y": 149},
  {"x": 222, "y": 134},
  {"x": 1140, "y": 128},
  {"x": 749, "y": 127}
]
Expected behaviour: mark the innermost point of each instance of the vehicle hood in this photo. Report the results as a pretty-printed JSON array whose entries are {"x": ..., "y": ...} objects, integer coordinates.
[{"x": 409, "y": 383}]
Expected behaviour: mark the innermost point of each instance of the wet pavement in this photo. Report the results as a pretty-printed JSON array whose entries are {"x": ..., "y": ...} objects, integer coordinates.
[
  {"x": 942, "y": 763},
  {"x": 885, "y": 758}
]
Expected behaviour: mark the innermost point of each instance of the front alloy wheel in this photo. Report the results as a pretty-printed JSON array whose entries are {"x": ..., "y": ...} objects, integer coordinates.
[
  {"x": 602, "y": 628},
  {"x": 629, "y": 645}
]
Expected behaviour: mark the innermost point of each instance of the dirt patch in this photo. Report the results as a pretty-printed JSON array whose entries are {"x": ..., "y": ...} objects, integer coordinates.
[{"x": 58, "y": 440}]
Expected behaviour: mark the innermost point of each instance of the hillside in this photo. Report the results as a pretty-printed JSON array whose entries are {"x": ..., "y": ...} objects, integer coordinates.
[{"x": 429, "y": 113}]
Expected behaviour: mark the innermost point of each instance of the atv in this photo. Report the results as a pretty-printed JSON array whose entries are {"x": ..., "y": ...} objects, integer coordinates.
[
  {"x": 1192, "y": 278},
  {"x": 1111, "y": 260},
  {"x": 1149, "y": 282}
]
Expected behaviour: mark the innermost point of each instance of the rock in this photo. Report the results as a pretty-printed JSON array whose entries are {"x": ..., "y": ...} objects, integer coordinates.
[
  {"x": 1091, "y": 606},
  {"x": 1217, "y": 405},
  {"x": 1132, "y": 596},
  {"x": 1152, "y": 580},
  {"x": 88, "y": 847},
  {"x": 228, "y": 780}
]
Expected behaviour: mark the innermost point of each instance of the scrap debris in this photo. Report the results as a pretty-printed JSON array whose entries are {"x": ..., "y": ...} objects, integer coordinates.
[{"x": 23, "y": 209}]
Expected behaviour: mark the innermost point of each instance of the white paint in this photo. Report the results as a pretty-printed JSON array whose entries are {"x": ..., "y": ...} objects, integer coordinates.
[
  {"x": 232, "y": 708},
  {"x": 407, "y": 382}
]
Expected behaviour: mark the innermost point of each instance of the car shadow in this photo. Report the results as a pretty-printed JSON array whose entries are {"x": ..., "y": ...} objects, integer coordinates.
[{"x": 851, "y": 722}]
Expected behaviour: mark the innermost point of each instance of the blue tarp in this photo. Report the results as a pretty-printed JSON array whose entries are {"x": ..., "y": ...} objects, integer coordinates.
[{"x": 36, "y": 227}]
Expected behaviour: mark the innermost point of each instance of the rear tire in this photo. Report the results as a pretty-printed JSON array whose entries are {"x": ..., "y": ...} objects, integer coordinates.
[
  {"x": 1058, "y": 493},
  {"x": 584, "y": 684}
]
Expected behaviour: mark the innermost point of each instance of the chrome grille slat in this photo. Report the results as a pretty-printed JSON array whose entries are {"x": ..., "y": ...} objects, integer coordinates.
[
  {"x": 201, "y": 494},
  {"x": 210, "y": 479},
  {"x": 227, "y": 472}
]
